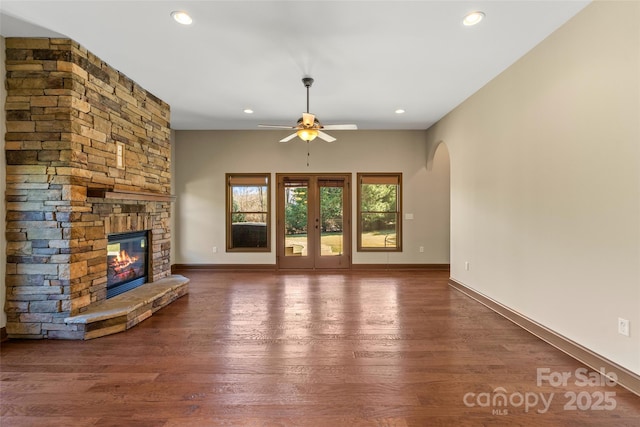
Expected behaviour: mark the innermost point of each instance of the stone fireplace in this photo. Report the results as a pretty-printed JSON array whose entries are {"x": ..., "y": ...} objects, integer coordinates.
[{"x": 88, "y": 155}]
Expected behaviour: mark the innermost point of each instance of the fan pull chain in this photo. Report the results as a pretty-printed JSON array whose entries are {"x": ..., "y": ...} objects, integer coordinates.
[{"x": 307, "y": 153}]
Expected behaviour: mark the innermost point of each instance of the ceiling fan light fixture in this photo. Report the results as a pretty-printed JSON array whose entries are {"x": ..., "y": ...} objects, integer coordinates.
[
  {"x": 473, "y": 18},
  {"x": 308, "y": 126},
  {"x": 181, "y": 17},
  {"x": 307, "y": 135}
]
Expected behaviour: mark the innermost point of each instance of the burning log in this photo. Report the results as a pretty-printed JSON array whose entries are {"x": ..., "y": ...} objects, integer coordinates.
[{"x": 123, "y": 265}]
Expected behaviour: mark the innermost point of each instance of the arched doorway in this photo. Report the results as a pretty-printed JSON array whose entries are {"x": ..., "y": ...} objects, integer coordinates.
[{"x": 439, "y": 174}]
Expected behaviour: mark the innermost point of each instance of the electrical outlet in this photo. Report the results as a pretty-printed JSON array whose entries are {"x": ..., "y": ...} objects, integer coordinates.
[
  {"x": 421, "y": 249},
  {"x": 466, "y": 265},
  {"x": 623, "y": 326},
  {"x": 215, "y": 249}
]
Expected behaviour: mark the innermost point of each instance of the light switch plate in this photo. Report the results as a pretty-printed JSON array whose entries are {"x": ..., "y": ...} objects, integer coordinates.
[{"x": 119, "y": 155}]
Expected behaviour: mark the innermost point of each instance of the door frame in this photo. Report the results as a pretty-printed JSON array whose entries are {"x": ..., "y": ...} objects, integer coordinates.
[{"x": 313, "y": 261}]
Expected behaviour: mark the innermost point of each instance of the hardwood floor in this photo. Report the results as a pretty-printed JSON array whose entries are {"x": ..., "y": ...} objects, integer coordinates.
[{"x": 359, "y": 348}]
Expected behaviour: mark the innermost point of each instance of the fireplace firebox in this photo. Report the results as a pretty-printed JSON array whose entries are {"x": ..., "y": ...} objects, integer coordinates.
[{"x": 127, "y": 256}]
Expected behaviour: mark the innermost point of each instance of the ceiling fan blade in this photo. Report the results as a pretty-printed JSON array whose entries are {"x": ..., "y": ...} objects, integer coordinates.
[
  {"x": 277, "y": 126},
  {"x": 308, "y": 119},
  {"x": 325, "y": 137},
  {"x": 340, "y": 127},
  {"x": 289, "y": 138}
]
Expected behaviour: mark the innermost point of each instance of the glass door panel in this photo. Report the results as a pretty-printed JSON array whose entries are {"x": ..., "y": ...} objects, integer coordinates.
[
  {"x": 331, "y": 214},
  {"x": 296, "y": 218}
]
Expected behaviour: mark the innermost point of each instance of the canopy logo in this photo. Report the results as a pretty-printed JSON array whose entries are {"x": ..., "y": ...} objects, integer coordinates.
[{"x": 499, "y": 400}]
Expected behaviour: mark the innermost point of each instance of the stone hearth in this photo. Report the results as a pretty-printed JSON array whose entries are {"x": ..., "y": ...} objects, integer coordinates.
[
  {"x": 69, "y": 115},
  {"x": 124, "y": 311}
]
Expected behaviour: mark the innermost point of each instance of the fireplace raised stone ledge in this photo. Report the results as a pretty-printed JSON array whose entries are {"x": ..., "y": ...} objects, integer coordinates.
[
  {"x": 124, "y": 311},
  {"x": 74, "y": 125}
]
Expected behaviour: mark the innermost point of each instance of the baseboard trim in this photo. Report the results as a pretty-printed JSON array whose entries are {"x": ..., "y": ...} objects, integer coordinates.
[
  {"x": 223, "y": 267},
  {"x": 626, "y": 378},
  {"x": 272, "y": 267},
  {"x": 3, "y": 334},
  {"x": 435, "y": 267}
]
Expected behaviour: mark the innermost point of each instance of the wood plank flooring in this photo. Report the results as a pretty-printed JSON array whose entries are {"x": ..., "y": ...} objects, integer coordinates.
[{"x": 362, "y": 348}]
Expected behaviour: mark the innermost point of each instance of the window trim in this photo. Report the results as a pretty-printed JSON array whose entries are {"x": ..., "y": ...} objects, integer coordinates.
[
  {"x": 248, "y": 178},
  {"x": 374, "y": 176}
]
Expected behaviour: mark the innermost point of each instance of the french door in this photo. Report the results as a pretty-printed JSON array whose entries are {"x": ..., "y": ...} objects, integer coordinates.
[{"x": 313, "y": 221}]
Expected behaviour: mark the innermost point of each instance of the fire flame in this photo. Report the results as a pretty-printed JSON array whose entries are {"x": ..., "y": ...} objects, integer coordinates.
[{"x": 122, "y": 261}]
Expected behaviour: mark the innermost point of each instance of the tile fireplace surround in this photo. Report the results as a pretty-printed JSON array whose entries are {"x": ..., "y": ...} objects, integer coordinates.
[{"x": 68, "y": 114}]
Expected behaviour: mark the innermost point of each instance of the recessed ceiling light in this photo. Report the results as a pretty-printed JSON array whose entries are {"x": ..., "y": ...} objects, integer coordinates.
[
  {"x": 473, "y": 18},
  {"x": 399, "y": 111},
  {"x": 248, "y": 110},
  {"x": 181, "y": 17}
]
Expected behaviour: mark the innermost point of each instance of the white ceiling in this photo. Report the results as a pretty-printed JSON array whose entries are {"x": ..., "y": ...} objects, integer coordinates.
[{"x": 368, "y": 58}]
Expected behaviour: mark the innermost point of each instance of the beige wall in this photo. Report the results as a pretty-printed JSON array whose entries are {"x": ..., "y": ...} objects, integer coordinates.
[
  {"x": 3, "y": 185},
  {"x": 545, "y": 181},
  {"x": 203, "y": 157}
]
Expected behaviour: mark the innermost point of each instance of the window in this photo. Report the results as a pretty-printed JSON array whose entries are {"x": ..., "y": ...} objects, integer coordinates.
[
  {"x": 248, "y": 212},
  {"x": 379, "y": 212}
]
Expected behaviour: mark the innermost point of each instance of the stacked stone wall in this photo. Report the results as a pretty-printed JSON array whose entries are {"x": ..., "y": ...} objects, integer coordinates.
[{"x": 67, "y": 111}]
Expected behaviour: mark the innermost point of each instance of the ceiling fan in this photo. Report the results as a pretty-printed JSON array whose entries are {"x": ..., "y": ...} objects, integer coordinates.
[{"x": 308, "y": 126}]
